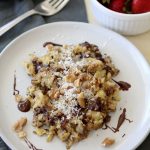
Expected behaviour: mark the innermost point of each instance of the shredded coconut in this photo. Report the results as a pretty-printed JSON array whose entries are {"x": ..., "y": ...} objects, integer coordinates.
[
  {"x": 88, "y": 93},
  {"x": 67, "y": 103}
]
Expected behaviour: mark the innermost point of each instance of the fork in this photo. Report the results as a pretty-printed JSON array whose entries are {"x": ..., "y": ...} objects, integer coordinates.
[{"x": 45, "y": 8}]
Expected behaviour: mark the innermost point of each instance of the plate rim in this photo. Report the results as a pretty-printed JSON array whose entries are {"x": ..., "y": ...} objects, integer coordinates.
[{"x": 136, "y": 50}]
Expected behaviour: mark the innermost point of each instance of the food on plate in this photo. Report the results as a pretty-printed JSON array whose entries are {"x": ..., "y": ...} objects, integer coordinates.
[
  {"x": 72, "y": 91},
  {"x": 108, "y": 142},
  {"x": 127, "y": 6}
]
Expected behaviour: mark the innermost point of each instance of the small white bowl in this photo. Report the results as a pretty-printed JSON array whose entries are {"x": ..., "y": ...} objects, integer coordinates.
[{"x": 126, "y": 24}]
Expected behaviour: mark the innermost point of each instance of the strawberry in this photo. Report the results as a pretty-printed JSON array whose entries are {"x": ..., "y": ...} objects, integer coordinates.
[
  {"x": 117, "y": 5},
  {"x": 140, "y": 6}
]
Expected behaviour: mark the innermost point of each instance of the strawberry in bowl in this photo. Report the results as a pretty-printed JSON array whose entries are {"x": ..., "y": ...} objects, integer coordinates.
[
  {"x": 127, "y": 6},
  {"x": 140, "y": 6}
]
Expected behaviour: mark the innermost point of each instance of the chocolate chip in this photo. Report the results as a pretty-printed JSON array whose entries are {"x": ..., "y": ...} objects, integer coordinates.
[
  {"x": 108, "y": 69},
  {"x": 51, "y": 120},
  {"x": 99, "y": 56},
  {"x": 37, "y": 65},
  {"x": 44, "y": 89},
  {"x": 109, "y": 91},
  {"x": 94, "y": 104}
]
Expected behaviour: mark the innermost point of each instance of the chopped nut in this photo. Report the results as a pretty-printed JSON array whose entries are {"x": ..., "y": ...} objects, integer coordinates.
[
  {"x": 86, "y": 85},
  {"x": 82, "y": 76},
  {"x": 93, "y": 67},
  {"x": 70, "y": 77},
  {"x": 56, "y": 95},
  {"x": 62, "y": 91},
  {"x": 53, "y": 93},
  {"x": 108, "y": 142},
  {"x": 77, "y": 91},
  {"x": 19, "y": 125},
  {"x": 81, "y": 100},
  {"x": 77, "y": 83}
]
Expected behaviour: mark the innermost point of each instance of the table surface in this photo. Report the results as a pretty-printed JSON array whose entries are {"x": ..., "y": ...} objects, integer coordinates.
[{"x": 142, "y": 42}]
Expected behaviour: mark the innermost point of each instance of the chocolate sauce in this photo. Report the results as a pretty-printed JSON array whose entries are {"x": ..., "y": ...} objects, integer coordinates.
[
  {"x": 123, "y": 85},
  {"x": 54, "y": 44},
  {"x": 108, "y": 127},
  {"x": 24, "y": 106},
  {"x": 121, "y": 120},
  {"x": 130, "y": 121},
  {"x": 15, "y": 91},
  {"x": 86, "y": 44},
  {"x": 123, "y": 135},
  {"x": 107, "y": 119},
  {"x": 30, "y": 145}
]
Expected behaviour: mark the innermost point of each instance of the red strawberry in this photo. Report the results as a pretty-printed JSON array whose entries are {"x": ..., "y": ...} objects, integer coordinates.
[
  {"x": 140, "y": 6},
  {"x": 117, "y": 5}
]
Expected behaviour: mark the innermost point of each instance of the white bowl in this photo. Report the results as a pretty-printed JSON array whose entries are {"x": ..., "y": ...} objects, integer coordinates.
[{"x": 127, "y": 24}]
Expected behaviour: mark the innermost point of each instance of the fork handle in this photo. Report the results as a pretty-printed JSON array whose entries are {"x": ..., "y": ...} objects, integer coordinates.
[{"x": 12, "y": 23}]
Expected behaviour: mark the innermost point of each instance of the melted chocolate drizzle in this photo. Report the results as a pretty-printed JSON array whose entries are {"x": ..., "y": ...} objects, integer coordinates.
[
  {"x": 130, "y": 121},
  {"x": 24, "y": 106},
  {"x": 121, "y": 120},
  {"x": 30, "y": 145},
  {"x": 54, "y": 44},
  {"x": 15, "y": 91},
  {"x": 123, "y": 85},
  {"x": 108, "y": 127}
]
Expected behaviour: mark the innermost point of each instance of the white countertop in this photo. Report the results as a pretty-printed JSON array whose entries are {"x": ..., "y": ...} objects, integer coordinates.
[{"x": 142, "y": 42}]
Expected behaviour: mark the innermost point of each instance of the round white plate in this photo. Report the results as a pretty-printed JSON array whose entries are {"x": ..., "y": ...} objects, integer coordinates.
[{"x": 133, "y": 69}]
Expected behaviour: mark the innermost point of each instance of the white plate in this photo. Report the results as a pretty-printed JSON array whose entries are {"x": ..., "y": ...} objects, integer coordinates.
[{"x": 126, "y": 57}]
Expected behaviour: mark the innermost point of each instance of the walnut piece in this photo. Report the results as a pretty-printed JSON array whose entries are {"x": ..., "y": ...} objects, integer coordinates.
[
  {"x": 81, "y": 100},
  {"x": 20, "y": 124},
  {"x": 108, "y": 142}
]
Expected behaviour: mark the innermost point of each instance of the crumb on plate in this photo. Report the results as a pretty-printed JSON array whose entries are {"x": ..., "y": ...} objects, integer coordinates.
[{"x": 108, "y": 142}]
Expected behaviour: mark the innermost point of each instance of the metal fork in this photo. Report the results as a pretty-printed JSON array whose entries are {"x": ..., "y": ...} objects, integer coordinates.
[{"x": 45, "y": 8}]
